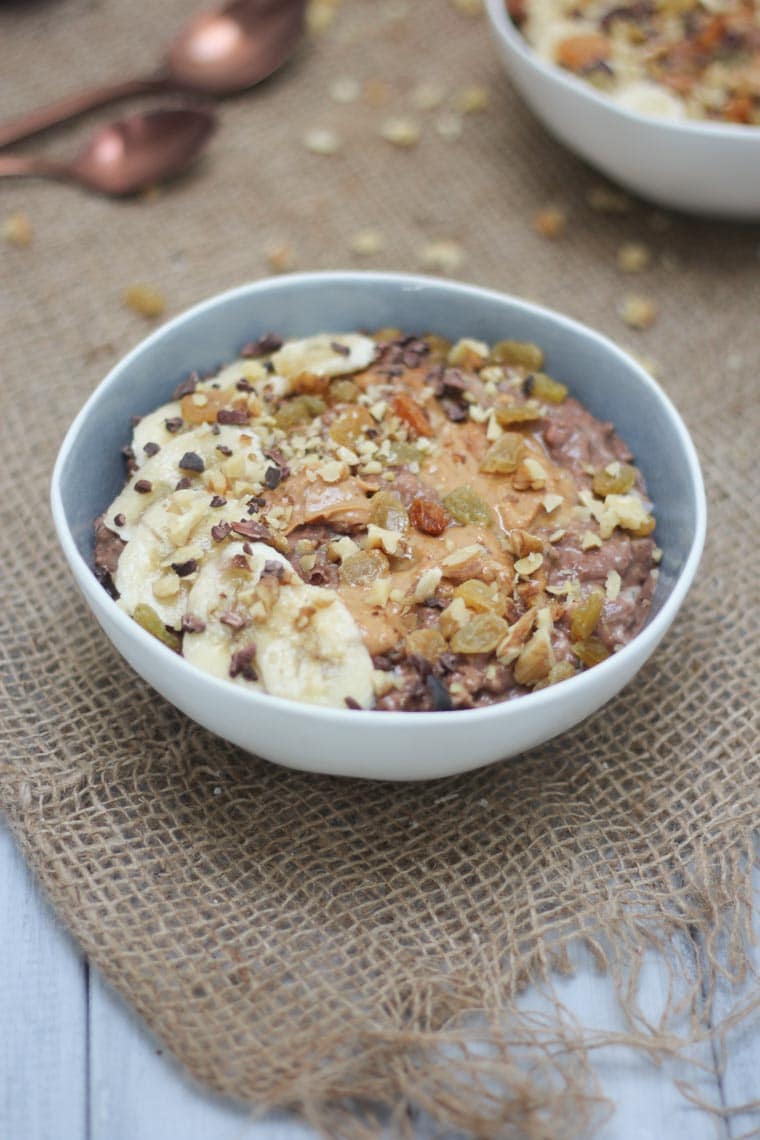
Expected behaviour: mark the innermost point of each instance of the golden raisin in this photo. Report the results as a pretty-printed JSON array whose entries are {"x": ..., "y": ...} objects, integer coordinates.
[
  {"x": 503, "y": 456},
  {"x": 507, "y": 414},
  {"x": 585, "y": 616},
  {"x": 147, "y": 617},
  {"x": 616, "y": 482},
  {"x": 298, "y": 411},
  {"x": 517, "y": 352},
  {"x": 480, "y": 597},
  {"x": 428, "y": 516},
  {"x": 467, "y": 507},
  {"x": 591, "y": 651},
  {"x": 427, "y": 643},
  {"x": 387, "y": 510},
  {"x": 405, "y": 453},
  {"x": 579, "y": 53},
  {"x": 544, "y": 388},
  {"x": 309, "y": 384},
  {"x": 351, "y": 425},
  {"x": 363, "y": 567},
  {"x": 413, "y": 414},
  {"x": 480, "y": 635},
  {"x": 439, "y": 348},
  {"x": 343, "y": 391}
]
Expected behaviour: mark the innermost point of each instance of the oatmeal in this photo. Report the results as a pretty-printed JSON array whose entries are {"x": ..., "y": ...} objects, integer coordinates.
[
  {"x": 697, "y": 59},
  {"x": 384, "y": 521}
]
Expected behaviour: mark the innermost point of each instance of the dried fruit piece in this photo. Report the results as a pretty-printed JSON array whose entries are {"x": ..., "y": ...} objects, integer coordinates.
[
  {"x": 536, "y": 660},
  {"x": 202, "y": 407},
  {"x": 481, "y": 634},
  {"x": 145, "y": 300},
  {"x": 299, "y": 410},
  {"x": 585, "y": 616},
  {"x": 506, "y": 414},
  {"x": 387, "y": 511},
  {"x": 413, "y": 414},
  {"x": 467, "y": 507},
  {"x": 351, "y": 425},
  {"x": 637, "y": 311},
  {"x": 503, "y": 456},
  {"x": 517, "y": 352},
  {"x": 633, "y": 257},
  {"x": 580, "y": 53},
  {"x": 343, "y": 392},
  {"x": 17, "y": 230},
  {"x": 428, "y": 516},
  {"x": 468, "y": 353},
  {"x": 147, "y": 617},
  {"x": 480, "y": 597},
  {"x": 427, "y": 643},
  {"x": 439, "y": 348},
  {"x": 591, "y": 651},
  {"x": 614, "y": 479},
  {"x": 550, "y": 223},
  {"x": 363, "y": 567},
  {"x": 545, "y": 388}
]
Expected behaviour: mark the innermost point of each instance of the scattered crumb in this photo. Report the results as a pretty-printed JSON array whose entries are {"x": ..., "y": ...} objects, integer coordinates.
[
  {"x": 638, "y": 311},
  {"x": 145, "y": 300},
  {"x": 472, "y": 99},
  {"x": 442, "y": 256},
  {"x": 633, "y": 257},
  {"x": 377, "y": 92},
  {"x": 281, "y": 258},
  {"x": 449, "y": 126},
  {"x": 17, "y": 230},
  {"x": 322, "y": 140},
  {"x": 427, "y": 96},
  {"x": 345, "y": 90},
  {"x": 401, "y": 132},
  {"x": 551, "y": 222},
  {"x": 608, "y": 200},
  {"x": 320, "y": 14},
  {"x": 367, "y": 242},
  {"x": 469, "y": 7}
]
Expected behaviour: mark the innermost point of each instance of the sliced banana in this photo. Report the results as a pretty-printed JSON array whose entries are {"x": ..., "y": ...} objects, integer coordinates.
[
  {"x": 260, "y": 378},
  {"x": 650, "y": 99},
  {"x": 152, "y": 429},
  {"x": 329, "y": 354},
  {"x": 155, "y": 566},
  {"x": 159, "y": 475},
  {"x": 300, "y": 641}
]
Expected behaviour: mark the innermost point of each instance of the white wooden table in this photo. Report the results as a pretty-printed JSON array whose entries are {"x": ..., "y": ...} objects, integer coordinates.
[{"x": 76, "y": 1065}]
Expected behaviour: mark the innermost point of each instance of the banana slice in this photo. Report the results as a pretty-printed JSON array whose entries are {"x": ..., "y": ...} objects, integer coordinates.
[
  {"x": 263, "y": 625},
  {"x": 259, "y": 378},
  {"x": 152, "y": 429},
  {"x": 168, "y": 545},
  {"x": 650, "y": 99},
  {"x": 329, "y": 354},
  {"x": 159, "y": 475}
]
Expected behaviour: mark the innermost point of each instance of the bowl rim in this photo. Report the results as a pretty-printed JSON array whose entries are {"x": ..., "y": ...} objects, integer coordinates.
[
  {"x": 644, "y": 642},
  {"x": 503, "y": 24}
]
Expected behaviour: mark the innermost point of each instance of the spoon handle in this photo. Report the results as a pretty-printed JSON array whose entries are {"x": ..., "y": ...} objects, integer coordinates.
[
  {"x": 72, "y": 105},
  {"x": 30, "y": 166}
]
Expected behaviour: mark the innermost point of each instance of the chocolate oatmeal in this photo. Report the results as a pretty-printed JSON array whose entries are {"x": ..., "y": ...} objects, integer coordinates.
[
  {"x": 385, "y": 521},
  {"x": 697, "y": 59}
]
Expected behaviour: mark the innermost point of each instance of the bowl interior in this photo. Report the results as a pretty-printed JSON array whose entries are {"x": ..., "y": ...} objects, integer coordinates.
[{"x": 90, "y": 470}]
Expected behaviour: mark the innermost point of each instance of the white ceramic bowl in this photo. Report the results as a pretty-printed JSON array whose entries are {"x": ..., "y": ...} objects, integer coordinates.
[
  {"x": 703, "y": 168},
  {"x": 384, "y": 745}
]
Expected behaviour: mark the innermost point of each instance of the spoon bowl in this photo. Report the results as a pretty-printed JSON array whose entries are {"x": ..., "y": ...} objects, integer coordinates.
[
  {"x": 217, "y": 53},
  {"x": 127, "y": 156}
]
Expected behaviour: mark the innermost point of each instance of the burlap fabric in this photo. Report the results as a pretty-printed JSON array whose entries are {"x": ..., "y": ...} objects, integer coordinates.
[{"x": 324, "y": 944}]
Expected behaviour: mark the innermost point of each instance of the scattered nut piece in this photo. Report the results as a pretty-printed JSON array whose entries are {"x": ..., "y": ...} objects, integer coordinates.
[
  {"x": 471, "y": 100},
  {"x": 367, "y": 242},
  {"x": 612, "y": 585},
  {"x": 529, "y": 564},
  {"x": 633, "y": 257},
  {"x": 608, "y": 200},
  {"x": 145, "y": 300},
  {"x": 427, "y": 96},
  {"x": 401, "y": 132},
  {"x": 638, "y": 311},
  {"x": 280, "y": 258},
  {"x": 442, "y": 256},
  {"x": 344, "y": 90},
  {"x": 322, "y": 140},
  {"x": 17, "y": 230},
  {"x": 449, "y": 126},
  {"x": 551, "y": 222},
  {"x": 590, "y": 540}
]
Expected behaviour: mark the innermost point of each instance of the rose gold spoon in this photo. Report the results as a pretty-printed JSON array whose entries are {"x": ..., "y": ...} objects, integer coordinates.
[
  {"x": 218, "y": 53},
  {"x": 126, "y": 156}
]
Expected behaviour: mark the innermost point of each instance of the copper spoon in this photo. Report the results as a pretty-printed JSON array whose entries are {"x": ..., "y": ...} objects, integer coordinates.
[
  {"x": 218, "y": 53},
  {"x": 124, "y": 157}
]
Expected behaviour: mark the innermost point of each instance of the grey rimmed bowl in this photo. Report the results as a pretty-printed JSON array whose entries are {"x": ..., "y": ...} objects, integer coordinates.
[{"x": 381, "y": 745}]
